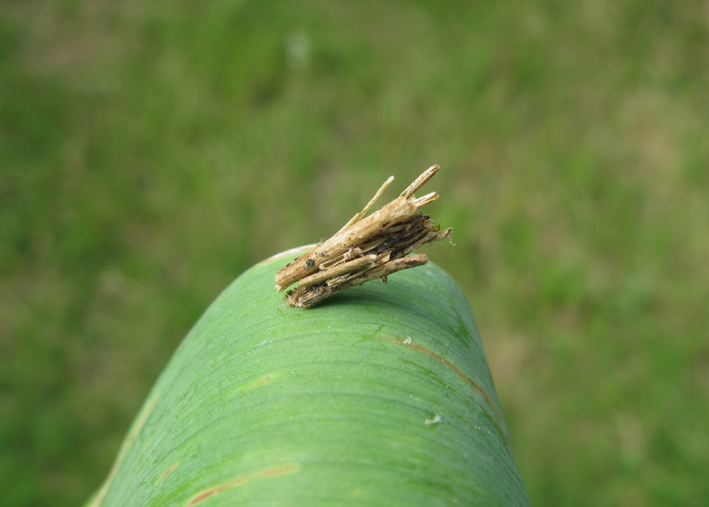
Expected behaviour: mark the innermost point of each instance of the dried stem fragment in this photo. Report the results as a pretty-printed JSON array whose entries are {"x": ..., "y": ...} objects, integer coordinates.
[{"x": 365, "y": 248}]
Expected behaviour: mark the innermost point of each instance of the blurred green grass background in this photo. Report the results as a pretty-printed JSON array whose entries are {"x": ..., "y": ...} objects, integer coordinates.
[{"x": 152, "y": 151}]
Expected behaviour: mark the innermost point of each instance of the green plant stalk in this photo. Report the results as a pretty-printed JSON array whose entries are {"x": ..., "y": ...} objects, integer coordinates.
[{"x": 381, "y": 396}]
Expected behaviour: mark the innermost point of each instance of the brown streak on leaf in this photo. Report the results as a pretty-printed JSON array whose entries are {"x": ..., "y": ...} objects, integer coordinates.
[
  {"x": 256, "y": 383},
  {"x": 169, "y": 471},
  {"x": 475, "y": 386},
  {"x": 268, "y": 472},
  {"x": 142, "y": 420},
  {"x": 204, "y": 495}
]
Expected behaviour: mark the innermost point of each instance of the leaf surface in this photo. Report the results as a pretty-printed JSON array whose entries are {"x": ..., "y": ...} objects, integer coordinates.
[{"x": 380, "y": 396}]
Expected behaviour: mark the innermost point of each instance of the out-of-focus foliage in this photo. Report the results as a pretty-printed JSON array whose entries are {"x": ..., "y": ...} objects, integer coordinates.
[{"x": 152, "y": 151}]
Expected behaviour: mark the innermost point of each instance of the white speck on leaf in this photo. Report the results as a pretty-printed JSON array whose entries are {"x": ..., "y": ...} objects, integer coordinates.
[{"x": 436, "y": 420}]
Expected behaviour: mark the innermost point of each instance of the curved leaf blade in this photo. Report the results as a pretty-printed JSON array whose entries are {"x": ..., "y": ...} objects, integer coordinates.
[{"x": 380, "y": 396}]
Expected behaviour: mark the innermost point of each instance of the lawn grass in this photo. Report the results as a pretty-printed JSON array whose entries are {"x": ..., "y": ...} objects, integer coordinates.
[{"x": 152, "y": 151}]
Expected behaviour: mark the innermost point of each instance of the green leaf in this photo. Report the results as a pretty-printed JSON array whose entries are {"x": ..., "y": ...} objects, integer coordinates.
[{"x": 380, "y": 396}]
